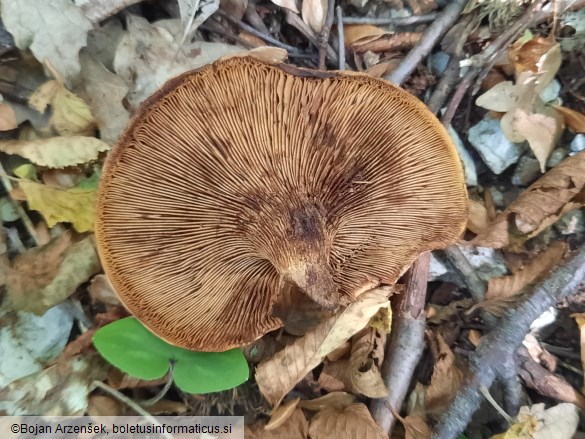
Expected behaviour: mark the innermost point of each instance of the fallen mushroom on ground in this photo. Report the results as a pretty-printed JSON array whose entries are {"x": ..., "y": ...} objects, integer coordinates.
[{"x": 244, "y": 179}]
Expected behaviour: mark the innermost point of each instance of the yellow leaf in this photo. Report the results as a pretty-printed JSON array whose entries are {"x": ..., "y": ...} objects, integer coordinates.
[
  {"x": 7, "y": 118},
  {"x": 43, "y": 96},
  {"x": 71, "y": 115},
  {"x": 278, "y": 375},
  {"x": 56, "y": 152},
  {"x": 76, "y": 205},
  {"x": 580, "y": 319}
]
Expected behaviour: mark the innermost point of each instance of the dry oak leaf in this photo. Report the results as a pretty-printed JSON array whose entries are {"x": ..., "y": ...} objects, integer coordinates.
[
  {"x": 353, "y": 422},
  {"x": 70, "y": 116},
  {"x": 295, "y": 427},
  {"x": 76, "y": 205},
  {"x": 58, "y": 390},
  {"x": 416, "y": 427},
  {"x": 42, "y": 277},
  {"x": 56, "y": 152},
  {"x": 367, "y": 354},
  {"x": 278, "y": 375},
  {"x": 538, "y": 207},
  {"x": 540, "y": 265},
  {"x": 54, "y": 30}
]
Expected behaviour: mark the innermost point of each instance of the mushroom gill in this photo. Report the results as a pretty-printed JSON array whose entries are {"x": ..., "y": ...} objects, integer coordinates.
[{"x": 243, "y": 176}]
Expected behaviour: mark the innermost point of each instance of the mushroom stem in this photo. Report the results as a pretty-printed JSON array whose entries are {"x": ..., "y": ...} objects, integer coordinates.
[{"x": 315, "y": 281}]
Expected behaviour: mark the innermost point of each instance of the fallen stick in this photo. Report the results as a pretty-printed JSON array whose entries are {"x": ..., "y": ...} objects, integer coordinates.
[
  {"x": 405, "y": 347},
  {"x": 497, "y": 349},
  {"x": 430, "y": 38}
]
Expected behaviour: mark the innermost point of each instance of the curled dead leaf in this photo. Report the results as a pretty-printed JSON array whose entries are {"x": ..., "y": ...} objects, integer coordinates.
[
  {"x": 545, "y": 261},
  {"x": 282, "y": 413},
  {"x": 367, "y": 354},
  {"x": 333, "y": 400},
  {"x": 278, "y": 375},
  {"x": 573, "y": 119},
  {"x": 295, "y": 427},
  {"x": 538, "y": 207},
  {"x": 314, "y": 13},
  {"x": 7, "y": 118}
]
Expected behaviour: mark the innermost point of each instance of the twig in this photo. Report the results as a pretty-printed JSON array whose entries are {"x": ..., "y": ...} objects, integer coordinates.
[
  {"x": 398, "y": 21},
  {"x": 499, "y": 346},
  {"x": 477, "y": 287},
  {"x": 405, "y": 347},
  {"x": 451, "y": 74},
  {"x": 295, "y": 21},
  {"x": 250, "y": 29},
  {"x": 324, "y": 34},
  {"x": 341, "y": 38},
  {"x": 429, "y": 39},
  {"x": 254, "y": 19},
  {"x": 134, "y": 406},
  {"x": 482, "y": 63}
]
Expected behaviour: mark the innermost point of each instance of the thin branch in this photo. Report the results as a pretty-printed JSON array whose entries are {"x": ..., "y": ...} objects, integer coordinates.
[
  {"x": 398, "y": 21},
  {"x": 324, "y": 34},
  {"x": 430, "y": 38},
  {"x": 341, "y": 38},
  {"x": 405, "y": 347},
  {"x": 295, "y": 21},
  {"x": 497, "y": 349}
]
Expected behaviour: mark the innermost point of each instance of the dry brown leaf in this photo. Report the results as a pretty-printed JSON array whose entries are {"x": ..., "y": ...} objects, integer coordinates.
[
  {"x": 526, "y": 55},
  {"x": 282, "y": 413},
  {"x": 573, "y": 119},
  {"x": 416, "y": 428},
  {"x": 44, "y": 276},
  {"x": 446, "y": 377},
  {"x": 438, "y": 314},
  {"x": 333, "y": 400},
  {"x": 497, "y": 307},
  {"x": 541, "y": 264},
  {"x": 539, "y": 206},
  {"x": 333, "y": 377},
  {"x": 278, "y": 375},
  {"x": 354, "y": 422},
  {"x": 354, "y": 33},
  {"x": 296, "y": 427},
  {"x": 101, "y": 405},
  {"x": 314, "y": 13},
  {"x": 477, "y": 219},
  {"x": 367, "y": 354},
  {"x": 7, "y": 118},
  {"x": 474, "y": 337}
]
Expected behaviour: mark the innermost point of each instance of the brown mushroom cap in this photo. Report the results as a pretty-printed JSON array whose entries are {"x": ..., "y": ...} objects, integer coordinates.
[{"x": 242, "y": 177}]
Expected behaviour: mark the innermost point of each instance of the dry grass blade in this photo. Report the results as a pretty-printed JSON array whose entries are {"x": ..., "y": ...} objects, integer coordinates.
[
  {"x": 538, "y": 207},
  {"x": 507, "y": 286},
  {"x": 355, "y": 422},
  {"x": 278, "y": 375}
]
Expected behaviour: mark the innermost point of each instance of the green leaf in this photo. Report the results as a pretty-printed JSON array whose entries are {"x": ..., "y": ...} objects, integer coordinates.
[{"x": 129, "y": 346}]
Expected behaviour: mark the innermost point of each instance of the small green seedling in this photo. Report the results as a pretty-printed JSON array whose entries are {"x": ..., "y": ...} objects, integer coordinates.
[{"x": 129, "y": 346}]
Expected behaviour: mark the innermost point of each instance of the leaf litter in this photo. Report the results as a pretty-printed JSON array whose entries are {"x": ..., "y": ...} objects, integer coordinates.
[{"x": 101, "y": 61}]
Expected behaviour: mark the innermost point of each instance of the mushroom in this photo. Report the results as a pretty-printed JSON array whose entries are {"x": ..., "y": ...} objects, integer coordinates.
[{"x": 241, "y": 179}]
